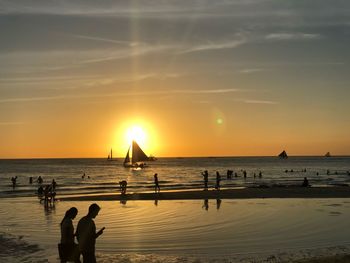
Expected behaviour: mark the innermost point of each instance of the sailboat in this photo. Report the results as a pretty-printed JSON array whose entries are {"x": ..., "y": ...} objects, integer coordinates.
[
  {"x": 138, "y": 157},
  {"x": 328, "y": 154},
  {"x": 110, "y": 156},
  {"x": 283, "y": 155}
]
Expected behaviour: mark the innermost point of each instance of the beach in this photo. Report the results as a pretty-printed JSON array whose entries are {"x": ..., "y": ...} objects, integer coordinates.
[{"x": 233, "y": 225}]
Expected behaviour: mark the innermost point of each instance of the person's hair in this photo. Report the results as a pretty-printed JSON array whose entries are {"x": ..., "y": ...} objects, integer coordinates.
[
  {"x": 70, "y": 213},
  {"x": 94, "y": 207}
]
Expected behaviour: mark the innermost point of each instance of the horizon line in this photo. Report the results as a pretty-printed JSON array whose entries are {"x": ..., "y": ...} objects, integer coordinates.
[{"x": 213, "y": 156}]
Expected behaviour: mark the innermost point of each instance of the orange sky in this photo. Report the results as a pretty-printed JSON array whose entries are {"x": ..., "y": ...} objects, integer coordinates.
[{"x": 213, "y": 79}]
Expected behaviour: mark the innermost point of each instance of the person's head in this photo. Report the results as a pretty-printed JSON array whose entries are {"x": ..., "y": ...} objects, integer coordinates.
[
  {"x": 71, "y": 213},
  {"x": 155, "y": 175},
  {"x": 93, "y": 210}
]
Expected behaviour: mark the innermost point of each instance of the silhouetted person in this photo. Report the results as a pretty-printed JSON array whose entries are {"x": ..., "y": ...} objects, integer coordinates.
[
  {"x": 40, "y": 191},
  {"x": 245, "y": 174},
  {"x": 83, "y": 176},
  {"x": 156, "y": 184},
  {"x": 123, "y": 184},
  {"x": 218, "y": 179},
  {"x": 328, "y": 172},
  {"x": 31, "y": 180},
  {"x": 218, "y": 204},
  {"x": 14, "y": 181},
  {"x": 40, "y": 180},
  {"x": 205, "y": 179},
  {"x": 229, "y": 174},
  {"x": 47, "y": 191},
  {"x": 86, "y": 234},
  {"x": 53, "y": 185},
  {"x": 260, "y": 174},
  {"x": 68, "y": 249},
  {"x": 206, "y": 204},
  {"x": 305, "y": 182}
]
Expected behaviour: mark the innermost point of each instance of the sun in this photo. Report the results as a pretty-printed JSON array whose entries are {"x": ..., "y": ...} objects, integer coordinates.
[
  {"x": 136, "y": 133},
  {"x": 140, "y": 130}
]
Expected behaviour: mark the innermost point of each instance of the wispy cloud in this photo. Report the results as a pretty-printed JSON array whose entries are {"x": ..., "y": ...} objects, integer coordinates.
[
  {"x": 117, "y": 94},
  {"x": 292, "y": 36},
  {"x": 209, "y": 91},
  {"x": 107, "y": 40},
  {"x": 31, "y": 99},
  {"x": 269, "y": 102},
  {"x": 210, "y": 45},
  {"x": 250, "y": 70},
  {"x": 12, "y": 123}
]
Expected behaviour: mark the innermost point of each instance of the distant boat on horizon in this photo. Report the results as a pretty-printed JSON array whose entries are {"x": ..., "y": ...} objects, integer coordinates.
[
  {"x": 328, "y": 154},
  {"x": 283, "y": 155},
  {"x": 110, "y": 156},
  {"x": 138, "y": 157}
]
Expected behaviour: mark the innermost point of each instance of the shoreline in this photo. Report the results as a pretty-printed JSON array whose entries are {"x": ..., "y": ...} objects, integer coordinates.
[{"x": 244, "y": 193}]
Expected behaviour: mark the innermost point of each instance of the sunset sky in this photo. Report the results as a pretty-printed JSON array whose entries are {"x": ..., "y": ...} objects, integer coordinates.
[{"x": 201, "y": 78}]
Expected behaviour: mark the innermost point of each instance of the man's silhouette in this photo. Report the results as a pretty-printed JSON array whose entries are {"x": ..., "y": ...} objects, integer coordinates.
[{"x": 86, "y": 234}]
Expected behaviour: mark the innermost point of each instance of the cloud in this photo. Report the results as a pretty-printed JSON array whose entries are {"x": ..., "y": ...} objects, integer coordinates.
[
  {"x": 251, "y": 70},
  {"x": 117, "y": 94},
  {"x": 292, "y": 36},
  {"x": 209, "y": 91},
  {"x": 260, "y": 102},
  {"x": 107, "y": 40},
  {"x": 215, "y": 45},
  {"x": 11, "y": 123}
]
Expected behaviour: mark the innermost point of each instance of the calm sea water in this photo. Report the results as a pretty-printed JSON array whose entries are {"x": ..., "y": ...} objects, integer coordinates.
[
  {"x": 189, "y": 231},
  {"x": 173, "y": 173}
]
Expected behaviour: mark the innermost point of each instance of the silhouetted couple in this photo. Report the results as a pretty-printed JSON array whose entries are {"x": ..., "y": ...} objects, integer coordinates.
[{"x": 86, "y": 235}]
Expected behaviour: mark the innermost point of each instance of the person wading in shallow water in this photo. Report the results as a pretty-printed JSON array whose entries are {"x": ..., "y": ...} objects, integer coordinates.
[
  {"x": 156, "y": 184},
  {"x": 86, "y": 234}
]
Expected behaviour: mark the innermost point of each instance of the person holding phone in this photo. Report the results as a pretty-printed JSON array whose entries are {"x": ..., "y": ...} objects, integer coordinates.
[{"x": 87, "y": 235}]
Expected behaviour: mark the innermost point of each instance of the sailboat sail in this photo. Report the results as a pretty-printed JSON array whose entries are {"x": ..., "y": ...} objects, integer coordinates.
[
  {"x": 137, "y": 154},
  {"x": 138, "y": 157},
  {"x": 283, "y": 155},
  {"x": 110, "y": 156},
  {"x": 127, "y": 158}
]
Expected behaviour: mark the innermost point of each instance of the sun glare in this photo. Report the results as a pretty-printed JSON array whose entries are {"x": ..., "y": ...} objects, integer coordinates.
[
  {"x": 136, "y": 133},
  {"x": 139, "y": 130}
]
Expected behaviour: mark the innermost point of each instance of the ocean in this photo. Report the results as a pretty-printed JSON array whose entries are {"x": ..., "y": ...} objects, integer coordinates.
[
  {"x": 186, "y": 231},
  {"x": 174, "y": 173}
]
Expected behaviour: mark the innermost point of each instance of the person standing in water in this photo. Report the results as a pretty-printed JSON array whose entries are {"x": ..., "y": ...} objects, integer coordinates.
[
  {"x": 68, "y": 249},
  {"x": 218, "y": 179},
  {"x": 87, "y": 235},
  {"x": 156, "y": 184},
  {"x": 205, "y": 178}
]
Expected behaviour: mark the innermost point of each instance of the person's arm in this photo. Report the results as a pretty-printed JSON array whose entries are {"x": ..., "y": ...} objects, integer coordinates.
[{"x": 100, "y": 232}]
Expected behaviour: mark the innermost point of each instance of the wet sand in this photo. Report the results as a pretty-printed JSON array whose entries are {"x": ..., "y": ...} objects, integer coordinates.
[{"x": 243, "y": 193}]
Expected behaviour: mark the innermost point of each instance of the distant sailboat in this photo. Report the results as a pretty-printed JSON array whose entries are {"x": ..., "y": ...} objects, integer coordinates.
[
  {"x": 283, "y": 155},
  {"x": 110, "y": 156},
  {"x": 138, "y": 156},
  {"x": 328, "y": 154},
  {"x": 152, "y": 158}
]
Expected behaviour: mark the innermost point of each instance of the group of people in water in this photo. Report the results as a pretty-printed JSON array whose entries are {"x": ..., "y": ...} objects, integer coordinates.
[
  {"x": 230, "y": 173},
  {"x": 85, "y": 235},
  {"x": 123, "y": 185}
]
